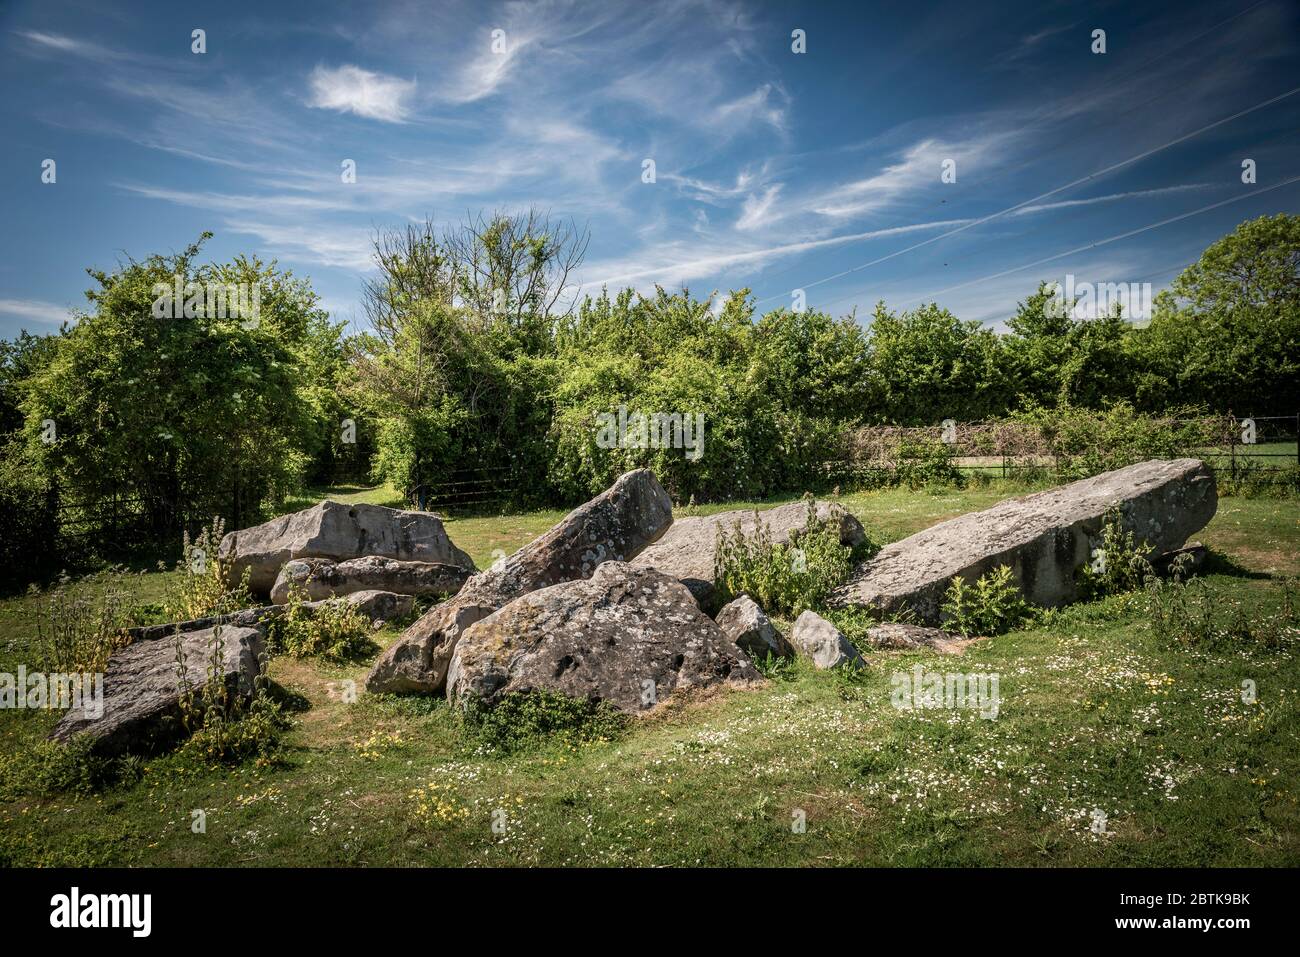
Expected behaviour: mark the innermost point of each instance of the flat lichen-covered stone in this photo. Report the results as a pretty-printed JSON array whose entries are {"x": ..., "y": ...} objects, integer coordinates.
[
  {"x": 686, "y": 550},
  {"x": 1045, "y": 538},
  {"x": 142, "y": 688},
  {"x": 324, "y": 578}
]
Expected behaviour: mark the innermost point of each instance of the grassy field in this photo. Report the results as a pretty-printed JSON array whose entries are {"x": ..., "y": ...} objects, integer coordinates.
[{"x": 1098, "y": 715}]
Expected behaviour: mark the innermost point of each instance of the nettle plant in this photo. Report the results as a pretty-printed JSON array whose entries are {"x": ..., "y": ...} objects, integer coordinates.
[
  {"x": 78, "y": 626},
  {"x": 782, "y": 577},
  {"x": 1189, "y": 611},
  {"x": 1119, "y": 564},
  {"x": 221, "y": 724},
  {"x": 992, "y": 606},
  {"x": 203, "y": 586}
]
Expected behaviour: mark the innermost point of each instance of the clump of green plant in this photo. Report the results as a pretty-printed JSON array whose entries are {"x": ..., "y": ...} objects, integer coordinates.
[
  {"x": 926, "y": 463},
  {"x": 1251, "y": 480},
  {"x": 79, "y": 626},
  {"x": 333, "y": 630},
  {"x": 53, "y": 767},
  {"x": 527, "y": 720},
  {"x": 222, "y": 723},
  {"x": 203, "y": 586},
  {"x": 992, "y": 606},
  {"x": 1191, "y": 612},
  {"x": 1120, "y": 564},
  {"x": 784, "y": 577}
]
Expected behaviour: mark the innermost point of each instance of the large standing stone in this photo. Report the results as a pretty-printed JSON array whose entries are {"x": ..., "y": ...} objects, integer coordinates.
[
  {"x": 1045, "y": 538},
  {"x": 614, "y": 526},
  {"x": 822, "y": 642},
  {"x": 142, "y": 688},
  {"x": 753, "y": 632},
  {"x": 323, "y": 578},
  {"x": 339, "y": 532},
  {"x": 626, "y": 636},
  {"x": 686, "y": 551}
]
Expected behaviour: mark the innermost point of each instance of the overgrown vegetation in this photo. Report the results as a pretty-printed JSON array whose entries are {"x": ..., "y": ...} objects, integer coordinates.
[
  {"x": 202, "y": 588},
  {"x": 1119, "y": 563},
  {"x": 78, "y": 625},
  {"x": 992, "y": 606},
  {"x": 784, "y": 577},
  {"x": 541, "y": 718},
  {"x": 333, "y": 629},
  {"x": 222, "y": 722},
  {"x": 1188, "y": 612}
]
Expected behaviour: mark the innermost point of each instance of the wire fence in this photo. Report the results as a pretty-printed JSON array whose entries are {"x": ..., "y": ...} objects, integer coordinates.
[
  {"x": 468, "y": 489},
  {"x": 1232, "y": 445}
]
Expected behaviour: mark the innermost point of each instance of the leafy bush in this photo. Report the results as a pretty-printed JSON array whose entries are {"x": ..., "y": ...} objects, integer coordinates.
[
  {"x": 334, "y": 630},
  {"x": 993, "y": 605},
  {"x": 782, "y": 577},
  {"x": 525, "y": 720},
  {"x": 924, "y": 463},
  {"x": 1120, "y": 565},
  {"x": 1085, "y": 442}
]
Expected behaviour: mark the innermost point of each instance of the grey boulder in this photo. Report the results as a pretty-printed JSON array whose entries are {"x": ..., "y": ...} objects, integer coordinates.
[
  {"x": 323, "y": 578},
  {"x": 893, "y": 634},
  {"x": 142, "y": 690},
  {"x": 338, "y": 532},
  {"x": 752, "y": 631},
  {"x": 614, "y": 526},
  {"x": 1045, "y": 538},
  {"x": 822, "y": 642},
  {"x": 686, "y": 551},
  {"x": 626, "y": 636}
]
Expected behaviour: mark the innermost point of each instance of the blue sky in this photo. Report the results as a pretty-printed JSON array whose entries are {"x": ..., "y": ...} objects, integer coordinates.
[{"x": 775, "y": 170}]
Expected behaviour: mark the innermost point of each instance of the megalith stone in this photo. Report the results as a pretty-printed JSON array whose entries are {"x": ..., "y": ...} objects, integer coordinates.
[{"x": 614, "y": 526}]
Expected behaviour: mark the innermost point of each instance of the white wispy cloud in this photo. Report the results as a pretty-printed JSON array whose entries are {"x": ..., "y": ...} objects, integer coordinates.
[
  {"x": 350, "y": 89},
  {"x": 918, "y": 169},
  {"x": 61, "y": 43},
  {"x": 344, "y": 247},
  {"x": 757, "y": 106},
  {"x": 46, "y": 313},
  {"x": 757, "y": 209},
  {"x": 682, "y": 263}
]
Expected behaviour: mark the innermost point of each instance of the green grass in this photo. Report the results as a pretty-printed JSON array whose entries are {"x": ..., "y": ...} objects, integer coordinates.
[{"x": 1097, "y": 713}]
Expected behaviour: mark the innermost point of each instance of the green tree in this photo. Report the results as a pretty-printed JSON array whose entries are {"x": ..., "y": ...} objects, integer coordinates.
[
  {"x": 1227, "y": 335},
  {"x": 928, "y": 365},
  {"x": 200, "y": 411}
]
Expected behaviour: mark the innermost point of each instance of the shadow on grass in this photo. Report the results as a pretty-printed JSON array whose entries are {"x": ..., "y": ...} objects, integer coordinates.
[{"x": 1217, "y": 563}]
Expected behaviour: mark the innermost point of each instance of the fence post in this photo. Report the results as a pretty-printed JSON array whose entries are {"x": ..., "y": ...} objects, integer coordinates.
[{"x": 1232, "y": 444}]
